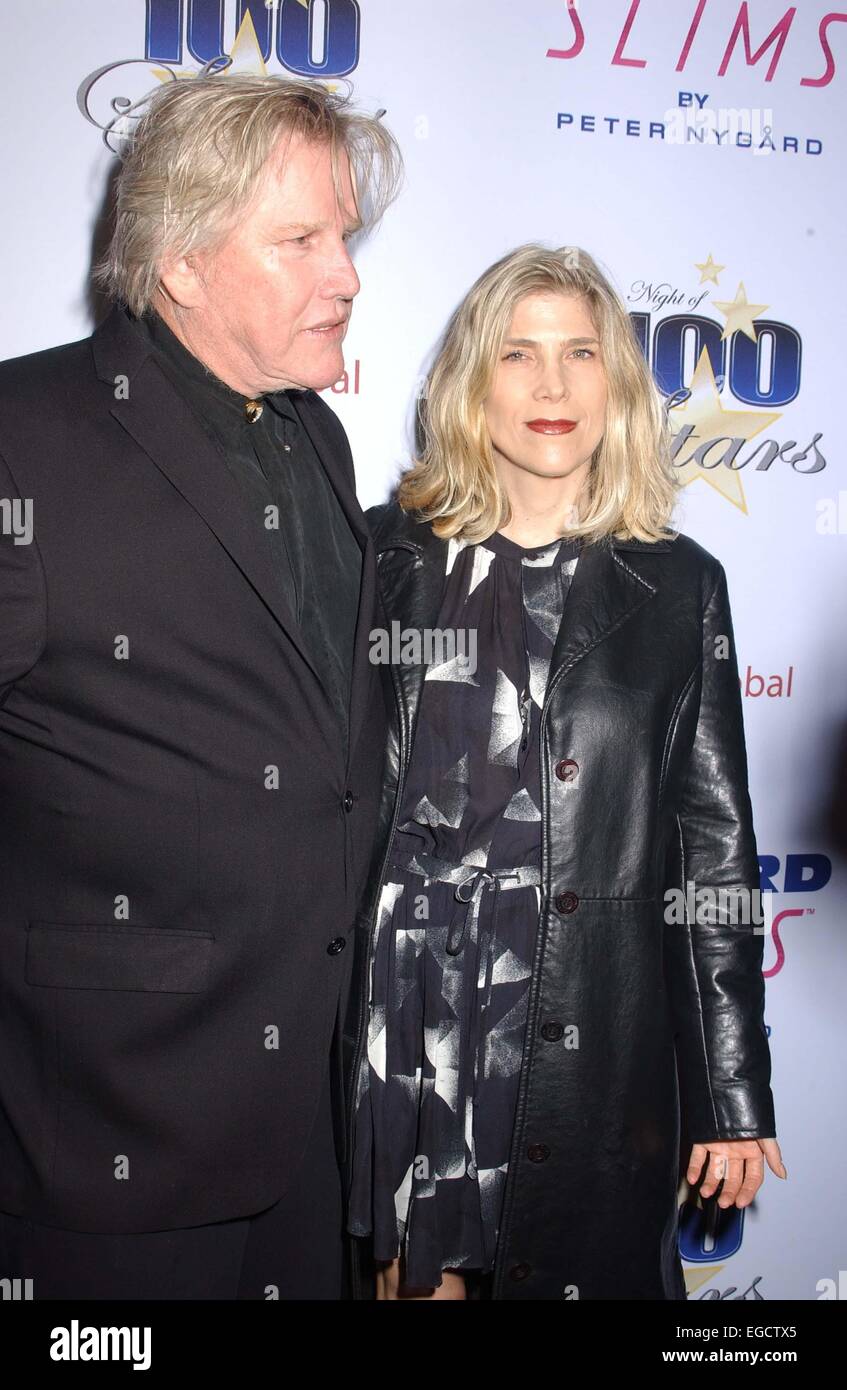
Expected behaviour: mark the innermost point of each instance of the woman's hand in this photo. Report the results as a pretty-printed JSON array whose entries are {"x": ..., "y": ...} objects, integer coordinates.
[{"x": 740, "y": 1163}]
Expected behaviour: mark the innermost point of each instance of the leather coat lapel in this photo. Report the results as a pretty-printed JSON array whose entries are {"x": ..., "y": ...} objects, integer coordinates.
[
  {"x": 412, "y": 574},
  {"x": 605, "y": 592}
]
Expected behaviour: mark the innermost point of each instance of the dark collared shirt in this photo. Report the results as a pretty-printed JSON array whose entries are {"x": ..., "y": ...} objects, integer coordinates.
[{"x": 275, "y": 466}]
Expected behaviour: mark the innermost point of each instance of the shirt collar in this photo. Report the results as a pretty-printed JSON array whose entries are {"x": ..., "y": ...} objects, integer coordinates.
[{"x": 230, "y": 407}]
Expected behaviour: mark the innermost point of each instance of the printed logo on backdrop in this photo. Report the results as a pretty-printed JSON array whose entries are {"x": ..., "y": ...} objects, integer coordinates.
[
  {"x": 726, "y": 363},
  {"x": 727, "y": 367},
  {"x": 697, "y": 117},
  {"x": 305, "y": 38},
  {"x": 707, "y": 1239},
  {"x": 795, "y": 874}
]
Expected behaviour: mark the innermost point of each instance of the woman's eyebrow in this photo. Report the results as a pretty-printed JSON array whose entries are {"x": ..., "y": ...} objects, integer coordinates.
[{"x": 533, "y": 342}]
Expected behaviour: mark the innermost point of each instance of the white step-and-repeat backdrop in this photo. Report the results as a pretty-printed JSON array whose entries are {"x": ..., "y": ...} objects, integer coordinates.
[{"x": 695, "y": 148}]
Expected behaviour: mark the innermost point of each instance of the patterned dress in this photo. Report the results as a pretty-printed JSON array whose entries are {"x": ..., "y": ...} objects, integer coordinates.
[{"x": 451, "y": 958}]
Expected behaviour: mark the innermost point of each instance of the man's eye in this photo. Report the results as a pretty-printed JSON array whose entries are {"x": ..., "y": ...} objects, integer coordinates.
[
  {"x": 515, "y": 353},
  {"x": 301, "y": 240}
]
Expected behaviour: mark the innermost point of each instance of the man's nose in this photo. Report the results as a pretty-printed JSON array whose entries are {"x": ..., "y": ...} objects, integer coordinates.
[{"x": 344, "y": 280}]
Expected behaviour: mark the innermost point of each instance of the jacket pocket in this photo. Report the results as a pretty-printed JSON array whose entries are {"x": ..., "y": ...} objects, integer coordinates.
[{"x": 113, "y": 957}]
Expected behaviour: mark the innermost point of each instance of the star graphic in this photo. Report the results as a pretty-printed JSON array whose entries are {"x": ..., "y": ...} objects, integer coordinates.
[
  {"x": 697, "y": 1275},
  {"x": 740, "y": 314},
  {"x": 246, "y": 55},
  {"x": 709, "y": 270},
  {"x": 704, "y": 419}
]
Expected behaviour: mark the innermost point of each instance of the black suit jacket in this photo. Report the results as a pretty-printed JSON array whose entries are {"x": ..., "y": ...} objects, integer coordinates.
[{"x": 182, "y": 845}]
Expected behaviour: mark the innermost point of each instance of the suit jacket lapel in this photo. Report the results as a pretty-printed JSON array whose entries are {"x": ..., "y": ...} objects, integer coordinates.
[
  {"x": 340, "y": 474},
  {"x": 165, "y": 427}
]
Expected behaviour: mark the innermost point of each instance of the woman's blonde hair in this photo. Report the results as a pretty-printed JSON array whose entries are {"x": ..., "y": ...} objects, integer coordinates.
[
  {"x": 631, "y": 484},
  {"x": 194, "y": 160}
]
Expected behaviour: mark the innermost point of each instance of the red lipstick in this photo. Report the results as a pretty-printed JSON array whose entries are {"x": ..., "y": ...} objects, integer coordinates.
[{"x": 552, "y": 426}]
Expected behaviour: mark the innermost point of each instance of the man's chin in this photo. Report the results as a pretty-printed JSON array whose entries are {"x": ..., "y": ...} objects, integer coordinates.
[
  {"x": 319, "y": 377},
  {"x": 321, "y": 381}
]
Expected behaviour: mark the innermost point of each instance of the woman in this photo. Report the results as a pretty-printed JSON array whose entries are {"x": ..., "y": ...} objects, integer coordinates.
[{"x": 533, "y": 1007}]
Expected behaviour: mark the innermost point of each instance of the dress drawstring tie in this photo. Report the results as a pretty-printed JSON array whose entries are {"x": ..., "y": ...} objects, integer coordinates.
[{"x": 471, "y": 882}]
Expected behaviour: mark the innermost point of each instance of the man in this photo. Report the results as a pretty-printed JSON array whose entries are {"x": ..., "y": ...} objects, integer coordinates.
[{"x": 191, "y": 733}]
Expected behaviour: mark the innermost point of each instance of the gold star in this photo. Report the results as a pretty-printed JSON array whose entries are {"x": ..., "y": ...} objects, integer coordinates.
[
  {"x": 246, "y": 55},
  {"x": 697, "y": 1275},
  {"x": 709, "y": 421},
  {"x": 740, "y": 314},
  {"x": 709, "y": 270}
]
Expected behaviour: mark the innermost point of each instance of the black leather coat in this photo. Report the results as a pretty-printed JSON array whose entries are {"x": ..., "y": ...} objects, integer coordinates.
[{"x": 644, "y": 788}]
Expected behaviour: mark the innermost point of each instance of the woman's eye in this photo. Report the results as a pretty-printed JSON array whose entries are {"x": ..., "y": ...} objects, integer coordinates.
[{"x": 516, "y": 353}]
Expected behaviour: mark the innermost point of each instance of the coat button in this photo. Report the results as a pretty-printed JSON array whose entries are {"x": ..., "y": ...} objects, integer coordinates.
[
  {"x": 551, "y": 1032},
  {"x": 536, "y": 1153},
  {"x": 567, "y": 769},
  {"x": 348, "y": 801},
  {"x": 518, "y": 1272},
  {"x": 337, "y": 944},
  {"x": 566, "y": 902}
]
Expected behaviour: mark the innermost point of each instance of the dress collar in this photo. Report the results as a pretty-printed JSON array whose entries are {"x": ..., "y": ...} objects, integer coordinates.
[{"x": 554, "y": 552}]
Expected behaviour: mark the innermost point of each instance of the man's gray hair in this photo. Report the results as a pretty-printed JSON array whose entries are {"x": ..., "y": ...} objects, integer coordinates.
[{"x": 194, "y": 160}]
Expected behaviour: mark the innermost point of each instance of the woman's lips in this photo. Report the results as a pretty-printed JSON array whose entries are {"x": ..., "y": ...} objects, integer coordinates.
[{"x": 552, "y": 426}]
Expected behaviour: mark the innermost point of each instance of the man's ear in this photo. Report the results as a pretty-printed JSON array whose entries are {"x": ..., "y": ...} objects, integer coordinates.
[{"x": 182, "y": 280}]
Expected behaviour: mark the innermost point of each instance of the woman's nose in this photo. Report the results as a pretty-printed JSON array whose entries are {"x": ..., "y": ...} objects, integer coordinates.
[{"x": 554, "y": 384}]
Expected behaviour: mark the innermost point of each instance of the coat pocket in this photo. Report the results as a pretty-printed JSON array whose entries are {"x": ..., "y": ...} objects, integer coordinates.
[{"x": 73, "y": 956}]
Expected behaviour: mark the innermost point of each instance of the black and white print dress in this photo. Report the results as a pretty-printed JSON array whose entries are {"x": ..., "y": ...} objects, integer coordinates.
[{"x": 456, "y": 923}]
